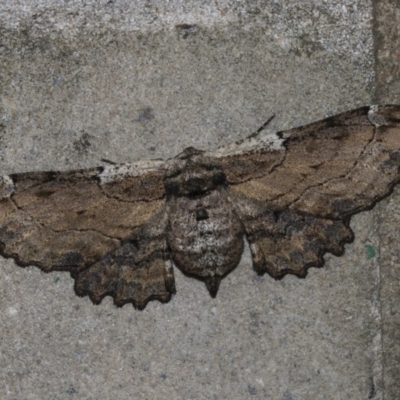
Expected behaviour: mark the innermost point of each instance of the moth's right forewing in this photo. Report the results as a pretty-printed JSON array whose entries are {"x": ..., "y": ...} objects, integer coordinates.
[{"x": 64, "y": 220}]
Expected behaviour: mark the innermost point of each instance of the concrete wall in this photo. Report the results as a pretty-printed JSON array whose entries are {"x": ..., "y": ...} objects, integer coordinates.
[{"x": 127, "y": 80}]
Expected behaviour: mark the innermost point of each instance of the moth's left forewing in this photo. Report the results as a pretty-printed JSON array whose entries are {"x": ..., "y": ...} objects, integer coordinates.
[
  {"x": 300, "y": 208},
  {"x": 373, "y": 157},
  {"x": 310, "y": 155}
]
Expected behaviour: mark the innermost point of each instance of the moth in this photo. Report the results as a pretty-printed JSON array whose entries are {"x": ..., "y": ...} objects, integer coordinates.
[{"x": 119, "y": 228}]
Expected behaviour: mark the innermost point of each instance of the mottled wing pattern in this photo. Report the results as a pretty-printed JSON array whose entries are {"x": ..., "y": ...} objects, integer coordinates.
[
  {"x": 102, "y": 224},
  {"x": 136, "y": 272},
  {"x": 296, "y": 200}
]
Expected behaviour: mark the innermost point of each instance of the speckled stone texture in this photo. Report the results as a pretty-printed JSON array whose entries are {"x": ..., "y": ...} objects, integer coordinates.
[
  {"x": 127, "y": 80},
  {"x": 387, "y": 69}
]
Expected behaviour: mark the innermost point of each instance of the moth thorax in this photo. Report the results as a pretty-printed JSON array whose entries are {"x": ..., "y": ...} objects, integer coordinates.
[{"x": 194, "y": 180}]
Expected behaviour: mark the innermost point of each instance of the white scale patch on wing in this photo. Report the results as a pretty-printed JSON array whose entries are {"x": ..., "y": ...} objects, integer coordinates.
[
  {"x": 113, "y": 173},
  {"x": 6, "y": 186},
  {"x": 270, "y": 141},
  {"x": 375, "y": 118}
]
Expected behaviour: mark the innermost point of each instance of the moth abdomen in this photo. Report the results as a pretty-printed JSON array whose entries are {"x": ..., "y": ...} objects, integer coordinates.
[{"x": 205, "y": 236}]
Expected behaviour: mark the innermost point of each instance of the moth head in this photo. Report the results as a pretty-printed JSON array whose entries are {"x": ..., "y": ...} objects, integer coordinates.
[{"x": 194, "y": 179}]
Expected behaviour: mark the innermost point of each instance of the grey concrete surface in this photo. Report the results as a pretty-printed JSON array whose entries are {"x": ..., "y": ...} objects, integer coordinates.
[
  {"x": 387, "y": 67},
  {"x": 126, "y": 80}
]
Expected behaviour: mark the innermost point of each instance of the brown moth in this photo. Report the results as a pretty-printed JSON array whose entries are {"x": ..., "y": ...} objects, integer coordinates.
[{"x": 118, "y": 228}]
